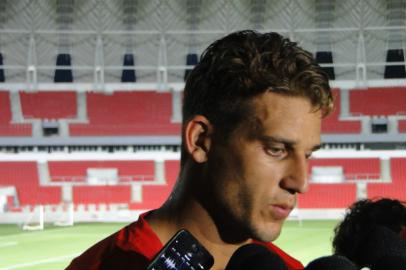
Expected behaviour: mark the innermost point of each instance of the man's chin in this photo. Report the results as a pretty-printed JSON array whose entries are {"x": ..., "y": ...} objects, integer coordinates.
[{"x": 267, "y": 234}]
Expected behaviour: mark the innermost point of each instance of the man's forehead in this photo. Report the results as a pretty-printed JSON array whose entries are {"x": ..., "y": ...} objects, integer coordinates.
[
  {"x": 272, "y": 104},
  {"x": 289, "y": 117}
]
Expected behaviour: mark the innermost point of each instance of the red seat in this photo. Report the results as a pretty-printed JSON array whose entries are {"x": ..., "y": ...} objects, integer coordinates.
[
  {"x": 7, "y": 128},
  {"x": 24, "y": 176},
  {"x": 72, "y": 171},
  {"x": 354, "y": 168},
  {"x": 370, "y": 101},
  {"x": 48, "y": 105},
  {"x": 328, "y": 196},
  {"x": 135, "y": 113},
  {"x": 332, "y": 123},
  {"x": 396, "y": 189}
]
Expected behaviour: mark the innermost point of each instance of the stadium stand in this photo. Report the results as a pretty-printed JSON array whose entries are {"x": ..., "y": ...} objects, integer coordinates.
[
  {"x": 48, "y": 105},
  {"x": 333, "y": 123},
  {"x": 24, "y": 176},
  {"x": 402, "y": 126},
  {"x": 339, "y": 195},
  {"x": 7, "y": 127},
  {"x": 354, "y": 168},
  {"x": 107, "y": 194},
  {"x": 378, "y": 101},
  {"x": 71, "y": 171},
  {"x": 154, "y": 196},
  {"x": 395, "y": 189},
  {"x": 328, "y": 196},
  {"x": 135, "y": 113}
]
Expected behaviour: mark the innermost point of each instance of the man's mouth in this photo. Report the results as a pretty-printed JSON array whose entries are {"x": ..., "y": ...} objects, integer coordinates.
[{"x": 281, "y": 211}]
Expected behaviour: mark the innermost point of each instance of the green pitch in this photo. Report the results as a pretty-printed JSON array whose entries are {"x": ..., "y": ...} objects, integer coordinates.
[{"x": 54, "y": 248}]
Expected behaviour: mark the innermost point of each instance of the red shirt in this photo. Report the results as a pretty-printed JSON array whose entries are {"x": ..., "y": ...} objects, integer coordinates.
[{"x": 134, "y": 246}]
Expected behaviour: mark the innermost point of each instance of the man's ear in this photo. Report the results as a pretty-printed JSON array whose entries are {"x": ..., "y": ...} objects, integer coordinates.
[{"x": 197, "y": 138}]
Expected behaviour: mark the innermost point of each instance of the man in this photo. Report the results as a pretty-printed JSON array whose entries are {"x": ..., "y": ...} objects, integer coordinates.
[{"x": 251, "y": 119}]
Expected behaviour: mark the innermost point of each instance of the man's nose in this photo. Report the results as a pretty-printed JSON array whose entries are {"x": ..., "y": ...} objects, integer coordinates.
[{"x": 296, "y": 175}]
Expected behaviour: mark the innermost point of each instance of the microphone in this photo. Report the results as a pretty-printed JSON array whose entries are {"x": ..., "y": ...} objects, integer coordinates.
[
  {"x": 333, "y": 262},
  {"x": 255, "y": 257},
  {"x": 382, "y": 244},
  {"x": 392, "y": 262}
]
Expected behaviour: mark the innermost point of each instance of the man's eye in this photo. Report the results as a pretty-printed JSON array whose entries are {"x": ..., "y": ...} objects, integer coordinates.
[
  {"x": 309, "y": 155},
  {"x": 276, "y": 152}
]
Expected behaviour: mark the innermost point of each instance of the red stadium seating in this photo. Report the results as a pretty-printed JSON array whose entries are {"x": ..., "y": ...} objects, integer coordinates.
[
  {"x": 155, "y": 196},
  {"x": 76, "y": 170},
  {"x": 402, "y": 126},
  {"x": 127, "y": 113},
  {"x": 24, "y": 176},
  {"x": 339, "y": 195},
  {"x": 378, "y": 101},
  {"x": 332, "y": 123},
  {"x": 6, "y": 127},
  {"x": 48, "y": 105},
  {"x": 328, "y": 196},
  {"x": 396, "y": 189},
  {"x": 354, "y": 168},
  {"x": 101, "y": 194}
]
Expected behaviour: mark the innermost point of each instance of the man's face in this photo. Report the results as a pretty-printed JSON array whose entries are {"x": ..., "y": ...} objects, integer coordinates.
[{"x": 257, "y": 173}]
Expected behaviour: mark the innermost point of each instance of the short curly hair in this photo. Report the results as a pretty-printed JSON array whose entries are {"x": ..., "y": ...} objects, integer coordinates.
[
  {"x": 244, "y": 64},
  {"x": 361, "y": 219}
]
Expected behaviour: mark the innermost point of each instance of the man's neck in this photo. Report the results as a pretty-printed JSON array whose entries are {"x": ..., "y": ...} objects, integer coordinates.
[{"x": 190, "y": 215}]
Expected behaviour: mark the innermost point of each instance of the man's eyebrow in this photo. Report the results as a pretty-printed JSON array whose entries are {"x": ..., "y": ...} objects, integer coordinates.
[
  {"x": 316, "y": 147},
  {"x": 287, "y": 142},
  {"x": 276, "y": 139}
]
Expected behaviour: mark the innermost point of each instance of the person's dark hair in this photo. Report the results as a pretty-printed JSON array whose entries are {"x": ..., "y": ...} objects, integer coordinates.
[
  {"x": 244, "y": 64},
  {"x": 362, "y": 218}
]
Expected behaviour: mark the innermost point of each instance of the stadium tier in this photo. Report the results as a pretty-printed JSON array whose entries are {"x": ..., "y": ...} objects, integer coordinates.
[
  {"x": 395, "y": 189},
  {"x": 343, "y": 194},
  {"x": 339, "y": 195},
  {"x": 140, "y": 113},
  {"x": 378, "y": 101},
  {"x": 402, "y": 126},
  {"x": 48, "y": 105},
  {"x": 101, "y": 194},
  {"x": 151, "y": 112},
  {"x": 353, "y": 168},
  {"x": 7, "y": 127},
  {"x": 333, "y": 123},
  {"x": 328, "y": 196},
  {"x": 154, "y": 196},
  {"x": 24, "y": 177},
  {"x": 76, "y": 171}
]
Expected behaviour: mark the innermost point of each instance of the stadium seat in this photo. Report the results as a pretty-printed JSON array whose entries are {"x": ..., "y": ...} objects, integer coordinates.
[
  {"x": 154, "y": 196},
  {"x": 135, "y": 113},
  {"x": 369, "y": 101},
  {"x": 76, "y": 171},
  {"x": 324, "y": 196},
  {"x": 24, "y": 177},
  {"x": 402, "y": 126},
  {"x": 332, "y": 123},
  {"x": 353, "y": 168},
  {"x": 48, "y": 105},
  {"x": 7, "y": 128},
  {"x": 397, "y": 188}
]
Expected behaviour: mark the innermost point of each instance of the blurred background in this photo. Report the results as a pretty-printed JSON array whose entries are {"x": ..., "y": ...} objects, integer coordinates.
[{"x": 90, "y": 112}]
